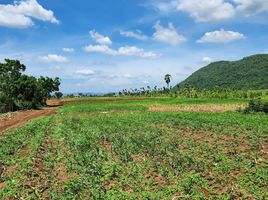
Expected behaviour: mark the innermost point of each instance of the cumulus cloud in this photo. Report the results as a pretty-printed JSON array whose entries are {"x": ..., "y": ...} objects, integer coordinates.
[
  {"x": 104, "y": 47},
  {"x": 19, "y": 14},
  {"x": 207, "y": 10},
  {"x": 166, "y": 6},
  {"x": 134, "y": 51},
  {"x": 221, "y": 36},
  {"x": 213, "y": 10},
  {"x": 251, "y": 7},
  {"x": 123, "y": 51},
  {"x": 85, "y": 72},
  {"x": 168, "y": 35},
  {"x": 131, "y": 34},
  {"x": 102, "y": 40},
  {"x": 207, "y": 60},
  {"x": 68, "y": 50},
  {"x": 101, "y": 49},
  {"x": 53, "y": 58}
]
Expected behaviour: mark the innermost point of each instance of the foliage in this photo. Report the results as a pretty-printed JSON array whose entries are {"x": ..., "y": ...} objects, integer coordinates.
[
  {"x": 115, "y": 149},
  {"x": 19, "y": 91},
  {"x": 58, "y": 95},
  {"x": 248, "y": 73},
  {"x": 195, "y": 93},
  {"x": 257, "y": 106}
]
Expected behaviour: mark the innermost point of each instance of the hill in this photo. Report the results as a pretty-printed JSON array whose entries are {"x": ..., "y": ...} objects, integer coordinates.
[{"x": 249, "y": 73}]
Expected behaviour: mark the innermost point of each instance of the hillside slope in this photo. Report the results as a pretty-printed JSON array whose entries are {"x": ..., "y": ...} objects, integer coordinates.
[{"x": 249, "y": 73}]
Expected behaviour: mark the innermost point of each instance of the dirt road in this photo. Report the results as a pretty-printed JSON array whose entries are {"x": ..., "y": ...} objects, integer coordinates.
[{"x": 16, "y": 119}]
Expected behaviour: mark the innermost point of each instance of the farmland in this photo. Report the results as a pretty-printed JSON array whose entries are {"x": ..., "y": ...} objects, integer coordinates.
[{"x": 139, "y": 148}]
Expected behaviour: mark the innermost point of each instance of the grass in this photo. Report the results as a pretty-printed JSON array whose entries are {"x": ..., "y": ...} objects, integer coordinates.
[{"x": 120, "y": 150}]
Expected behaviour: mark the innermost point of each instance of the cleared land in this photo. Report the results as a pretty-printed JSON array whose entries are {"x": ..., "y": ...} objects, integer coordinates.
[
  {"x": 119, "y": 149},
  {"x": 17, "y": 119}
]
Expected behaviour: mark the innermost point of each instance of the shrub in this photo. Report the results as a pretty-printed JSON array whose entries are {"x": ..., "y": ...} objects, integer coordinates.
[{"x": 257, "y": 106}]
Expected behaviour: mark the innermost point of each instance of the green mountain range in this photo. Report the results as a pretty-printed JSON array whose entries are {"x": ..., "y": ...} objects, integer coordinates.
[{"x": 249, "y": 73}]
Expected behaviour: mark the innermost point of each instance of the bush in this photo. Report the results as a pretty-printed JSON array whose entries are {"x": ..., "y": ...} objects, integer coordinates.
[{"x": 257, "y": 106}]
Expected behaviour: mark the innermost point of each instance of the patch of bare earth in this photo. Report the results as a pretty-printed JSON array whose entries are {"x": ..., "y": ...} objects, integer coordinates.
[
  {"x": 2, "y": 185},
  {"x": 48, "y": 172},
  {"x": 39, "y": 178},
  {"x": 17, "y": 119},
  {"x": 61, "y": 171},
  {"x": 196, "y": 108}
]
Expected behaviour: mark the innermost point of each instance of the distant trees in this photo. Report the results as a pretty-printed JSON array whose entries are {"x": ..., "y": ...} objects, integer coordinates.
[
  {"x": 145, "y": 91},
  {"x": 19, "y": 91},
  {"x": 190, "y": 92},
  {"x": 167, "y": 79},
  {"x": 58, "y": 95}
]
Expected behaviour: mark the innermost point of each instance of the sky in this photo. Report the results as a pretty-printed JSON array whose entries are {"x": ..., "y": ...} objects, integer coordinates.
[{"x": 109, "y": 45}]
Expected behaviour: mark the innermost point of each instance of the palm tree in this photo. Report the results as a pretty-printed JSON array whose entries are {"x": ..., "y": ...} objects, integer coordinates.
[{"x": 167, "y": 79}]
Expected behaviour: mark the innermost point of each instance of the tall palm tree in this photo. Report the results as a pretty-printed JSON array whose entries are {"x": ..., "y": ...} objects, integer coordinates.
[{"x": 167, "y": 79}]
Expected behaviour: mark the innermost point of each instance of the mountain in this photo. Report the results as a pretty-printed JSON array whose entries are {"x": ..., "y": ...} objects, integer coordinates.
[{"x": 249, "y": 73}]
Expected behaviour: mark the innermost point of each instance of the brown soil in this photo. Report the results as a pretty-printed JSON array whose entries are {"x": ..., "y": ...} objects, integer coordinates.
[
  {"x": 2, "y": 185},
  {"x": 42, "y": 174},
  {"x": 62, "y": 172},
  {"x": 10, "y": 170},
  {"x": 17, "y": 119},
  {"x": 24, "y": 153},
  {"x": 107, "y": 145}
]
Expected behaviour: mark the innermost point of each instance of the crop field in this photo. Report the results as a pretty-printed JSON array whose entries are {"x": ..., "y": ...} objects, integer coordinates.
[{"x": 153, "y": 148}]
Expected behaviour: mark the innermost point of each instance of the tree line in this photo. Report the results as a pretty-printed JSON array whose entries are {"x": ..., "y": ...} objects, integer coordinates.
[{"x": 19, "y": 91}]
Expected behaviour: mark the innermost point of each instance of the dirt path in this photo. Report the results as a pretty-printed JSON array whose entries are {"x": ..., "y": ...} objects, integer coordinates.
[{"x": 17, "y": 119}]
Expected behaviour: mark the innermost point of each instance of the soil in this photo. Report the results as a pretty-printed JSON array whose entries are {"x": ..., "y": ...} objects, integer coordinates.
[
  {"x": 17, "y": 119},
  {"x": 2, "y": 185}
]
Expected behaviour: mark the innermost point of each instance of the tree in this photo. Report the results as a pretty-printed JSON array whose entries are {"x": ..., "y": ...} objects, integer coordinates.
[
  {"x": 19, "y": 91},
  {"x": 167, "y": 79},
  {"x": 58, "y": 95}
]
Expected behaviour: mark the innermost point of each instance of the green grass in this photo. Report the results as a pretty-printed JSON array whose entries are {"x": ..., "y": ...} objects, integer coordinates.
[{"x": 119, "y": 150}]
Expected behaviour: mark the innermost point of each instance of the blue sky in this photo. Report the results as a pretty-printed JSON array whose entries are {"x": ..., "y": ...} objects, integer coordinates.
[{"x": 104, "y": 45}]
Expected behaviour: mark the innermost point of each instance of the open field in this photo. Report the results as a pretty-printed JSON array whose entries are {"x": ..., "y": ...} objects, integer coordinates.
[{"x": 153, "y": 148}]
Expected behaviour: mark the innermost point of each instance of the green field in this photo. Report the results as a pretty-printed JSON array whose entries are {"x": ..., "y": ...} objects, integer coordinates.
[{"x": 133, "y": 150}]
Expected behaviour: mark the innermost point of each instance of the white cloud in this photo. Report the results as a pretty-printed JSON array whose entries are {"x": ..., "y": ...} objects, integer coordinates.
[
  {"x": 168, "y": 35},
  {"x": 53, "y": 58},
  {"x": 68, "y": 50},
  {"x": 103, "y": 40},
  {"x": 85, "y": 72},
  {"x": 101, "y": 49},
  {"x": 127, "y": 76},
  {"x": 137, "y": 34},
  {"x": 207, "y": 10},
  {"x": 123, "y": 51},
  {"x": 207, "y": 60},
  {"x": 166, "y": 7},
  {"x": 213, "y": 10},
  {"x": 145, "y": 82},
  {"x": 221, "y": 36},
  {"x": 251, "y": 7},
  {"x": 134, "y": 51},
  {"x": 19, "y": 14}
]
